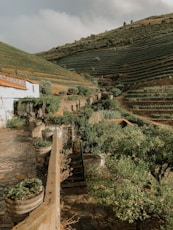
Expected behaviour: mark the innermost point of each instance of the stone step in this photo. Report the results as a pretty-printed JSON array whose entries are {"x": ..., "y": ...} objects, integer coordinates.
[
  {"x": 5, "y": 221},
  {"x": 77, "y": 174},
  {"x": 6, "y": 226},
  {"x": 76, "y": 162},
  {"x": 74, "y": 189},
  {"x": 72, "y": 179},
  {"x": 1, "y": 196}
]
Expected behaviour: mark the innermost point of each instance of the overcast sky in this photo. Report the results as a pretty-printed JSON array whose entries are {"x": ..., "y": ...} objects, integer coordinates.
[{"x": 38, "y": 25}]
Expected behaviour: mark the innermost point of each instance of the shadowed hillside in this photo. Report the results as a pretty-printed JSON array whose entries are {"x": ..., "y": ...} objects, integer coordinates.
[{"x": 17, "y": 62}]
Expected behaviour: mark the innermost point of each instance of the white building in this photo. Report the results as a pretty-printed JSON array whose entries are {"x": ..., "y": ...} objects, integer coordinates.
[{"x": 11, "y": 89}]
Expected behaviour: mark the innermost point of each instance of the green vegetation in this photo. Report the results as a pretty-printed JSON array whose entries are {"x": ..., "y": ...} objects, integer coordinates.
[
  {"x": 16, "y": 122},
  {"x": 72, "y": 91},
  {"x": 24, "y": 190},
  {"x": 43, "y": 143},
  {"x": 127, "y": 186},
  {"x": 135, "y": 180},
  {"x": 30, "y": 66},
  {"x": 123, "y": 36},
  {"x": 130, "y": 55},
  {"x": 50, "y": 103},
  {"x": 45, "y": 87},
  {"x": 80, "y": 90},
  {"x": 155, "y": 102},
  {"x": 67, "y": 118}
]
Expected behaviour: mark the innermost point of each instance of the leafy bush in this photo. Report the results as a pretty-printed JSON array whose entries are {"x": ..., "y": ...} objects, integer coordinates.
[
  {"x": 49, "y": 102},
  {"x": 110, "y": 114},
  {"x": 115, "y": 91},
  {"x": 46, "y": 87},
  {"x": 128, "y": 187},
  {"x": 42, "y": 143},
  {"x": 67, "y": 118},
  {"x": 106, "y": 104},
  {"x": 83, "y": 91},
  {"x": 73, "y": 91},
  {"x": 15, "y": 122}
]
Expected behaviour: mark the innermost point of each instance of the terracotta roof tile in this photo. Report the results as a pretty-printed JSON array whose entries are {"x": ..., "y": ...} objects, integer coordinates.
[
  {"x": 12, "y": 85},
  {"x": 18, "y": 77}
]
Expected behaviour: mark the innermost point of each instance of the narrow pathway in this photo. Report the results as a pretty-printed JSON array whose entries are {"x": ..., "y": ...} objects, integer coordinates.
[{"x": 17, "y": 162}]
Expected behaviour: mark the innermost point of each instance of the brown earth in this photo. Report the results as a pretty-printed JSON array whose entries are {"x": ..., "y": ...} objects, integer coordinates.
[{"x": 91, "y": 216}]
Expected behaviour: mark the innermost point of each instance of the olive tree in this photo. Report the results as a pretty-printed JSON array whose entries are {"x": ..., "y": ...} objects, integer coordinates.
[{"x": 130, "y": 190}]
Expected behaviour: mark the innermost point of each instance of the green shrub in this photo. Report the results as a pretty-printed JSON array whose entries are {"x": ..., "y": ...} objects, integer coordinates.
[
  {"x": 46, "y": 87},
  {"x": 49, "y": 102},
  {"x": 129, "y": 189},
  {"x": 72, "y": 91},
  {"x": 116, "y": 92},
  {"x": 15, "y": 122},
  {"x": 83, "y": 91},
  {"x": 67, "y": 118},
  {"x": 42, "y": 143}
]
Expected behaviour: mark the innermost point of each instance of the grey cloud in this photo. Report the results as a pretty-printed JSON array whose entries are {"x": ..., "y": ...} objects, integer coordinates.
[{"x": 39, "y": 25}]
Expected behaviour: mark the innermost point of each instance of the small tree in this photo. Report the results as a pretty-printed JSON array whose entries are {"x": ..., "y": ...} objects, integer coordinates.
[
  {"x": 83, "y": 91},
  {"x": 73, "y": 91},
  {"x": 116, "y": 92},
  {"x": 45, "y": 87},
  {"x": 128, "y": 188}
]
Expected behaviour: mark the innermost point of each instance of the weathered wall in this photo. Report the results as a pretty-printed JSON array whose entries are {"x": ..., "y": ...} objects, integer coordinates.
[
  {"x": 37, "y": 131},
  {"x": 8, "y": 95},
  {"x": 47, "y": 215},
  {"x": 73, "y": 105}
]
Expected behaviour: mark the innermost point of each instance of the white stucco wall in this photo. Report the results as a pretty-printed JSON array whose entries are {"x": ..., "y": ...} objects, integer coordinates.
[
  {"x": 7, "y": 97},
  {"x": 6, "y": 110},
  {"x": 32, "y": 90}
]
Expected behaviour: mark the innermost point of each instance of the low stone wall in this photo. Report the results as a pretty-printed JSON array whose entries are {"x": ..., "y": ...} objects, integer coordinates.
[
  {"x": 37, "y": 131},
  {"x": 47, "y": 215},
  {"x": 73, "y": 105}
]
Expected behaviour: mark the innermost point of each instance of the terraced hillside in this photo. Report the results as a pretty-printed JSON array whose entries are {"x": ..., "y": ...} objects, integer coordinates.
[
  {"x": 134, "y": 58},
  {"x": 155, "y": 102},
  {"x": 130, "y": 55},
  {"x": 17, "y": 62}
]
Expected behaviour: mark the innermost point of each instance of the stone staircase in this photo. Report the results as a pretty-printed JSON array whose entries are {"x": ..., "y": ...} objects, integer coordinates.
[{"x": 76, "y": 183}]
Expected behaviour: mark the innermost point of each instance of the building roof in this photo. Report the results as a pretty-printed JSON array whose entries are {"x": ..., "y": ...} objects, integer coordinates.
[
  {"x": 20, "y": 78},
  {"x": 32, "y": 81},
  {"x": 12, "y": 85}
]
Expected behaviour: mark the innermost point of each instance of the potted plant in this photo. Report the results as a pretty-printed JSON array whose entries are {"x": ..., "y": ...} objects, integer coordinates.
[
  {"x": 23, "y": 197},
  {"x": 47, "y": 133},
  {"x": 42, "y": 148},
  {"x": 38, "y": 122}
]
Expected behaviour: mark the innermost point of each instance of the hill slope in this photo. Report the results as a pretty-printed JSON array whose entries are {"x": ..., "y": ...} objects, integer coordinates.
[
  {"x": 17, "y": 62},
  {"x": 134, "y": 53},
  {"x": 137, "y": 58}
]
